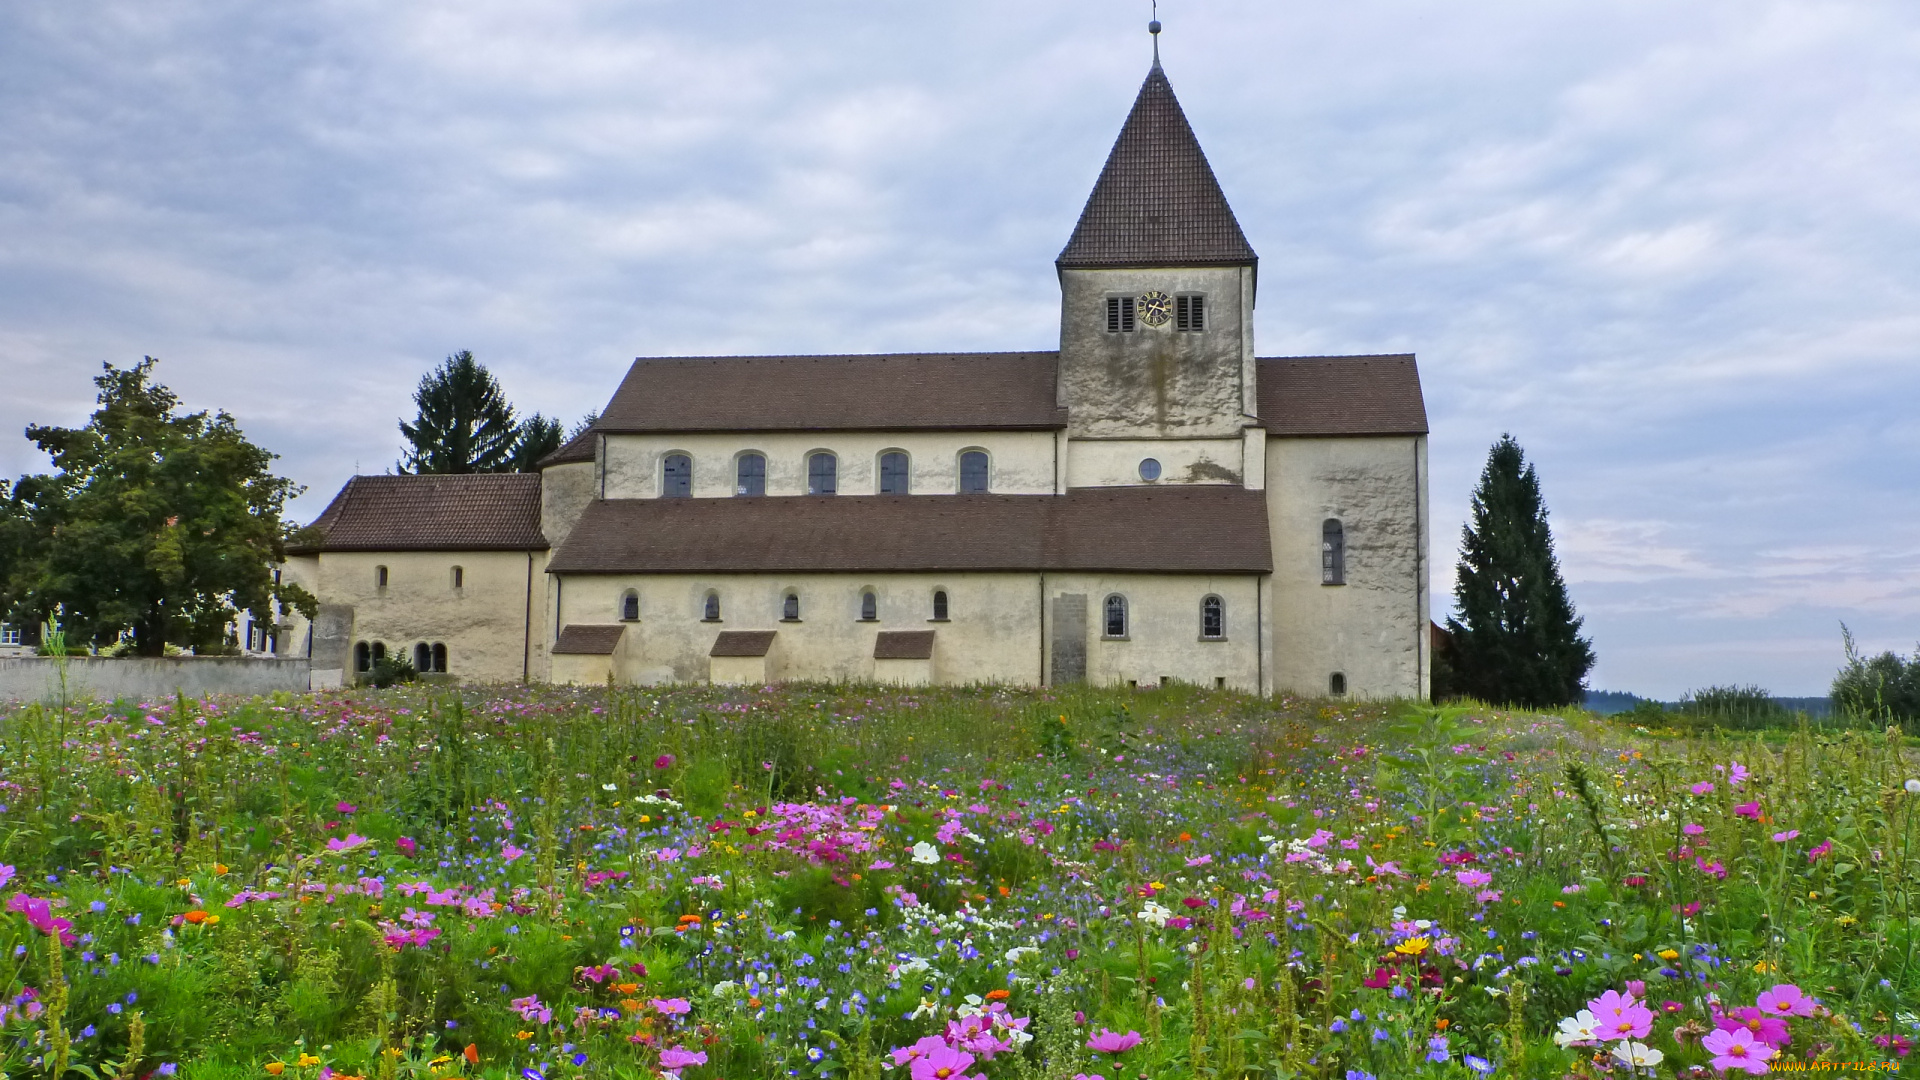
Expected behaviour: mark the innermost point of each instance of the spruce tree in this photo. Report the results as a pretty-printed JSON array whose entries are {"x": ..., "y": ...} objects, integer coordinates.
[
  {"x": 465, "y": 423},
  {"x": 1516, "y": 639}
]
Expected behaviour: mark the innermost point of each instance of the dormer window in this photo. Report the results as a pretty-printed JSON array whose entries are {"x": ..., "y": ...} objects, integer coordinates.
[
  {"x": 1190, "y": 313},
  {"x": 1119, "y": 314}
]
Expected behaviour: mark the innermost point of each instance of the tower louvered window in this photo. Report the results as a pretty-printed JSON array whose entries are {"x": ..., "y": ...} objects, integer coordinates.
[
  {"x": 1119, "y": 314},
  {"x": 1189, "y": 313}
]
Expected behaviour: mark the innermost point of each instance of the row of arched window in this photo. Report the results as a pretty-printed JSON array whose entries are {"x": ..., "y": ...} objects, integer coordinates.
[
  {"x": 426, "y": 658},
  {"x": 823, "y": 474},
  {"x": 789, "y": 606},
  {"x": 1115, "y": 618}
]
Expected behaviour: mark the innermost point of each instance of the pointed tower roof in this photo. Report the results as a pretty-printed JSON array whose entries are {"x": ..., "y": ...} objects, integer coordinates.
[{"x": 1156, "y": 202}]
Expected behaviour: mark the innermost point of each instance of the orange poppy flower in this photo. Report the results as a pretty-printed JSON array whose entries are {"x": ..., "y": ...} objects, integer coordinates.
[
  {"x": 195, "y": 917},
  {"x": 472, "y": 1054},
  {"x": 999, "y": 995}
]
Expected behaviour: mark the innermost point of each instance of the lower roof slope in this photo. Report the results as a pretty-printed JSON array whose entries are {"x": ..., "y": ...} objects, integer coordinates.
[
  {"x": 466, "y": 512},
  {"x": 1171, "y": 530},
  {"x": 1341, "y": 395}
]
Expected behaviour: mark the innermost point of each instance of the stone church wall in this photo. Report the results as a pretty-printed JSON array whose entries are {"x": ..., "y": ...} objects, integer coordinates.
[
  {"x": 1019, "y": 462},
  {"x": 1373, "y": 629}
]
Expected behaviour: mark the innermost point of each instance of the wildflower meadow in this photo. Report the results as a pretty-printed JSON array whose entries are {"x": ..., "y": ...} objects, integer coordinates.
[{"x": 705, "y": 883}]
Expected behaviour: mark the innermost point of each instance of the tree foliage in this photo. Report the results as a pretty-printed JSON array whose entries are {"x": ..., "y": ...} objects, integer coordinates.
[
  {"x": 465, "y": 424},
  {"x": 1884, "y": 687},
  {"x": 1515, "y": 639},
  {"x": 156, "y": 523}
]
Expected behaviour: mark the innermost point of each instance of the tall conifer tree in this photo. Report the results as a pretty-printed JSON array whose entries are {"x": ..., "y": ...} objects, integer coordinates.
[
  {"x": 465, "y": 424},
  {"x": 1516, "y": 639}
]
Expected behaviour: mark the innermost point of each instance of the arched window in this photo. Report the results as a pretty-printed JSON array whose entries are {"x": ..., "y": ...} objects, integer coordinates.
[
  {"x": 379, "y": 577},
  {"x": 823, "y": 474},
  {"x": 750, "y": 475},
  {"x": 423, "y": 657},
  {"x": 379, "y": 651},
  {"x": 869, "y": 606},
  {"x": 459, "y": 577},
  {"x": 629, "y": 606},
  {"x": 894, "y": 474},
  {"x": 362, "y": 657},
  {"x": 439, "y": 657},
  {"x": 1116, "y": 622},
  {"x": 1213, "y": 618},
  {"x": 676, "y": 476},
  {"x": 790, "y": 608},
  {"x": 1337, "y": 684},
  {"x": 710, "y": 611},
  {"x": 940, "y": 605},
  {"x": 973, "y": 472},
  {"x": 1333, "y": 552}
]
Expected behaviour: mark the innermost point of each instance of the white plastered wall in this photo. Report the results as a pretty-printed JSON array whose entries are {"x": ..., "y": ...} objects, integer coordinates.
[
  {"x": 1373, "y": 629},
  {"x": 1116, "y": 462},
  {"x": 1163, "y": 633},
  {"x": 483, "y": 624},
  {"x": 1019, "y": 462}
]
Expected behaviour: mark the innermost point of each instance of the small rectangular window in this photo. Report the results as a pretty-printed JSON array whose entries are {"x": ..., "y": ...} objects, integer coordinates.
[
  {"x": 379, "y": 577},
  {"x": 1189, "y": 313},
  {"x": 1333, "y": 552},
  {"x": 9, "y": 635},
  {"x": 1119, "y": 314}
]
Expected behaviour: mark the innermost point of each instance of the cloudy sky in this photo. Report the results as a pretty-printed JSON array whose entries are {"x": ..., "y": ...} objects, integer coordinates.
[{"x": 1673, "y": 247}]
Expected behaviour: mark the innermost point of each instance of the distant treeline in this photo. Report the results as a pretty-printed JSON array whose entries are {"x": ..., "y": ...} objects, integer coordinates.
[{"x": 1611, "y": 702}]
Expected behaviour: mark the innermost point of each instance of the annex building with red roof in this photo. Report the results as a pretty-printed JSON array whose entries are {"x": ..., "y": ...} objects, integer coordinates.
[{"x": 1150, "y": 502}]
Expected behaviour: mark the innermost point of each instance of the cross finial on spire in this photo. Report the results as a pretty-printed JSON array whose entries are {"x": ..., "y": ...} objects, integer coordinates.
[{"x": 1153, "y": 27}]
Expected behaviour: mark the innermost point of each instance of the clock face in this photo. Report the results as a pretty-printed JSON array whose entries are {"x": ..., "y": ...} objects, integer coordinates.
[{"x": 1156, "y": 307}]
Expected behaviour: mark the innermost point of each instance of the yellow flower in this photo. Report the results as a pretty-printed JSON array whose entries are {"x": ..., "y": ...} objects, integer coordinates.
[
  {"x": 523, "y": 1036},
  {"x": 184, "y": 882},
  {"x": 1667, "y": 954},
  {"x": 307, "y": 1061},
  {"x": 212, "y": 920},
  {"x": 1412, "y": 946},
  {"x": 275, "y": 1068},
  {"x": 1763, "y": 967},
  {"x": 219, "y": 868}
]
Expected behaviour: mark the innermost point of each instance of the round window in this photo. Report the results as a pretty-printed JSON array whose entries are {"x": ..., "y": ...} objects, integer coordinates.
[{"x": 1149, "y": 469}]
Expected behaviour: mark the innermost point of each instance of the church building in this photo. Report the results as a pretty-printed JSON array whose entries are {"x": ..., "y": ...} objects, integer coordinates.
[{"x": 1152, "y": 502}]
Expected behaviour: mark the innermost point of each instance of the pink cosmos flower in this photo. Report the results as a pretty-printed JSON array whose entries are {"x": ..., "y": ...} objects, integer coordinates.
[
  {"x": 352, "y": 840},
  {"x": 6, "y": 874},
  {"x": 1786, "y": 999},
  {"x": 1767, "y": 1029},
  {"x": 679, "y": 1057},
  {"x": 1714, "y": 869},
  {"x": 1783, "y": 837},
  {"x": 1112, "y": 1042},
  {"x": 407, "y": 846},
  {"x": 1737, "y": 1050},
  {"x": 1200, "y": 861},
  {"x": 1473, "y": 879},
  {"x": 672, "y": 1006},
  {"x": 345, "y": 808},
  {"x": 1693, "y": 830},
  {"x": 664, "y": 761},
  {"x": 1621, "y": 1016},
  {"x": 1738, "y": 775},
  {"x": 40, "y": 916},
  {"x": 906, "y": 1055},
  {"x": 1704, "y": 787},
  {"x": 1748, "y": 810},
  {"x": 509, "y": 852},
  {"x": 1820, "y": 851},
  {"x": 942, "y": 1063},
  {"x": 1088, "y": 1076}
]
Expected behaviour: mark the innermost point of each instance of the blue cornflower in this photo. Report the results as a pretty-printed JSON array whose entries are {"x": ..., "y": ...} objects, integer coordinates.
[
  {"x": 1437, "y": 1048},
  {"x": 1338, "y": 1026},
  {"x": 1379, "y": 1034},
  {"x": 1479, "y": 1064}
]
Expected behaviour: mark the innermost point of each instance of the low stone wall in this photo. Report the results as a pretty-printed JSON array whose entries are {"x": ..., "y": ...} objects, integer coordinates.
[{"x": 37, "y": 678}]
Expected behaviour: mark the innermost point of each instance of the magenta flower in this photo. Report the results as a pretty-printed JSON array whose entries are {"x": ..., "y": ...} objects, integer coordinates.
[
  {"x": 1704, "y": 787},
  {"x": 672, "y": 1006},
  {"x": 1737, "y": 1050},
  {"x": 679, "y": 1057},
  {"x": 40, "y": 916},
  {"x": 942, "y": 1063},
  {"x": 510, "y": 852},
  {"x": 1820, "y": 850},
  {"x": 1620, "y": 1016},
  {"x": 1738, "y": 775},
  {"x": 1112, "y": 1042},
  {"x": 1767, "y": 1029},
  {"x": 1783, "y": 837},
  {"x": 407, "y": 846},
  {"x": 1473, "y": 879},
  {"x": 664, "y": 761},
  {"x": 1693, "y": 830},
  {"x": 6, "y": 874},
  {"x": 352, "y": 840},
  {"x": 1786, "y": 999},
  {"x": 345, "y": 808},
  {"x": 1748, "y": 810},
  {"x": 906, "y": 1055}
]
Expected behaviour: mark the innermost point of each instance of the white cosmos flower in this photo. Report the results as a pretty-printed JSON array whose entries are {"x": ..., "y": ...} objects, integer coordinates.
[
  {"x": 1021, "y": 952},
  {"x": 926, "y": 853},
  {"x": 1155, "y": 914},
  {"x": 1913, "y": 786},
  {"x": 1637, "y": 1055},
  {"x": 1579, "y": 1028}
]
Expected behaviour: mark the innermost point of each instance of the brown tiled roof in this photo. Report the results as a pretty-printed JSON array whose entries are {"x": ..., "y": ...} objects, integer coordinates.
[
  {"x": 837, "y": 393},
  {"x": 1185, "y": 529},
  {"x": 903, "y": 645},
  {"x": 592, "y": 639},
  {"x": 1341, "y": 395},
  {"x": 467, "y": 512},
  {"x": 742, "y": 643},
  {"x": 1156, "y": 202},
  {"x": 579, "y": 448}
]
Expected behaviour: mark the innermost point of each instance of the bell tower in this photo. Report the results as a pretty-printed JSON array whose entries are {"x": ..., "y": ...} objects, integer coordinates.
[{"x": 1157, "y": 287}]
